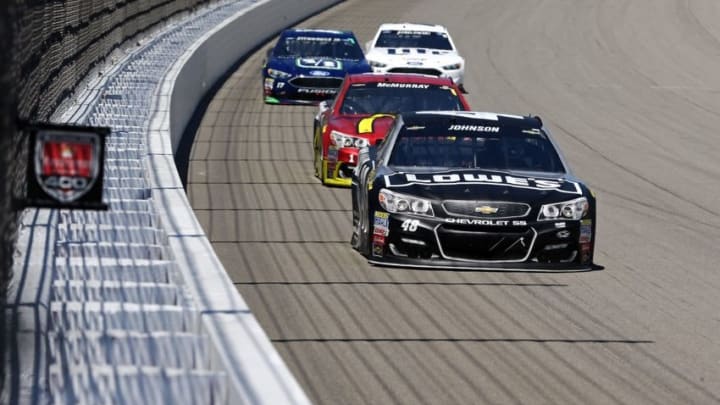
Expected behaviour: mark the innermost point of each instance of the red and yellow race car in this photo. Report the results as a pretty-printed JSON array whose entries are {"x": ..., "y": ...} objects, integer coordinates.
[{"x": 362, "y": 112}]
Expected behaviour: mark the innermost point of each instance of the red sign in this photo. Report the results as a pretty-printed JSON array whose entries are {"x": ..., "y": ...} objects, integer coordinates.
[
  {"x": 67, "y": 159},
  {"x": 66, "y": 166}
]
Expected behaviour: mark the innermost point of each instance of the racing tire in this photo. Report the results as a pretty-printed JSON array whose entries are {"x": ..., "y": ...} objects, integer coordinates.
[
  {"x": 355, "y": 238},
  {"x": 361, "y": 240},
  {"x": 364, "y": 247},
  {"x": 361, "y": 235},
  {"x": 323, "y": 174}
]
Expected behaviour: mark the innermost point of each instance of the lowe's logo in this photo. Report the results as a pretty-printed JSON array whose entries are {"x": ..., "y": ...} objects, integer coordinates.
[{"x": 429, "y": 179}]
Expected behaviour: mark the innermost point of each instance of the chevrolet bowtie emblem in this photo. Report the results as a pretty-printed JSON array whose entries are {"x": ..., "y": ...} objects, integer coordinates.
[{"x": 486, "y": 210}]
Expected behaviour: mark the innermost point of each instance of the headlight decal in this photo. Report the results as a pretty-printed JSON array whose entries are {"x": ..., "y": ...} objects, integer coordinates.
[
  {"x": 567, "y": 210},
  {"x": 278, "y": 74},
  {"x": 454, "y": 66},
  {"x": 347, "y": 141},
  {"x": 400, "y": 203}
]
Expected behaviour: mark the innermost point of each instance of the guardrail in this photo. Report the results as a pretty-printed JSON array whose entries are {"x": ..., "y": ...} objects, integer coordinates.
[{"x": 126, "y": 311}]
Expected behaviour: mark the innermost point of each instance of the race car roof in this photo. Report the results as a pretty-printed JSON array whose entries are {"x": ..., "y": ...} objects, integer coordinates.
[
  {"x": 470, "y": 118},
  {"x": 294, "y": 32},
  {"x": 412, "y": 27},
  {"x": 399, "y": 78}
]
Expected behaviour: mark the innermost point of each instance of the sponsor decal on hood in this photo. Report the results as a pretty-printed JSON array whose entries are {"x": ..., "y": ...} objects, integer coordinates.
[
  {"x": 321, "y": 73},
  {"x": 482, "y": 178},
  {"x": 321, "y": 63},
  {"x": 416, "y": 51}
]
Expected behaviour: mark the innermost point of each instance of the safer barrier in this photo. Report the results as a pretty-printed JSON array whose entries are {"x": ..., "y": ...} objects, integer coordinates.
[{"x": 223, "y": 310}]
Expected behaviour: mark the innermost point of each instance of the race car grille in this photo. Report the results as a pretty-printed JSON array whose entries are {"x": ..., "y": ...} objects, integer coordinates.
[
  {"x": 486, "y": 209},
  {"x": 317, "y": 82},
  {"x": 421, "y": 71},
  {"x": 486, "y": 245}
]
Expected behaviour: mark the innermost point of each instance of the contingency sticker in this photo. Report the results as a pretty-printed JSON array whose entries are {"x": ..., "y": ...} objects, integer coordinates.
[
  {"x": 379, "y": 240},
  {"x": 377, "y": 250},
  {"x": 269, "y": 83},
  {"x": 380, "y": 232},
  {"x": 371, "y": 182},
  {"x": 381, "y": 224},
  {"x": 332, "y": 162},
  {"x": 585, "y": 253},
  {"x": 586, "y": 231}
]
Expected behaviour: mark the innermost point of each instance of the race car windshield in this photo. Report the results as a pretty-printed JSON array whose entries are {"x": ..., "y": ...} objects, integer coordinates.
[
  {"x": 371, "y": 98},
  {"x": 308, "y": 46},
  {"x": 413, "y": 39},
  {"x": 440, "y": 147}
]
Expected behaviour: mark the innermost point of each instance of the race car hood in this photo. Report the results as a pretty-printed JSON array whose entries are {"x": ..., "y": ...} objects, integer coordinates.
[
  {"x": 374, "y": 127},
  {"x": 484, "y": 185},
  {"x": 415, "y": 57},
  {"x": 318, "y": 66}
]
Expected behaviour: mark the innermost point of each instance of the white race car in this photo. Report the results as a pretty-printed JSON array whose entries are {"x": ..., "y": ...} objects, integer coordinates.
[{"x": 415, "y": 48}]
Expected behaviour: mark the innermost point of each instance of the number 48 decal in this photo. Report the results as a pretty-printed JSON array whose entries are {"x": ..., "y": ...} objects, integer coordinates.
[{"x": 410, "y": 225}]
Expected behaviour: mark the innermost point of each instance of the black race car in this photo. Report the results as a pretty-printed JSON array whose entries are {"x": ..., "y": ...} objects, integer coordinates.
[{"x": 471, "y": 190}]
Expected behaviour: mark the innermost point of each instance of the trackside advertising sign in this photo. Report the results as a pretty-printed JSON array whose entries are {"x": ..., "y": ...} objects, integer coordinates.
[{"x": 66, "y": 166}]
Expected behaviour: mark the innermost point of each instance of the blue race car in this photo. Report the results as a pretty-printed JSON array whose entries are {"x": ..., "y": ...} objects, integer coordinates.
[{"x": 307, "y": 66}]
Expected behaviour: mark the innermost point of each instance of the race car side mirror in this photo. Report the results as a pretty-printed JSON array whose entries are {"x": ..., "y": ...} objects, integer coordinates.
[
  {"x": 368, "y": 45},
  {"x": 324, "y": 105}
]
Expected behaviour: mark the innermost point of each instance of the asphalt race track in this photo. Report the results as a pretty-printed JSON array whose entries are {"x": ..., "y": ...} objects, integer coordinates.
[{"x": 631, "y": 91}]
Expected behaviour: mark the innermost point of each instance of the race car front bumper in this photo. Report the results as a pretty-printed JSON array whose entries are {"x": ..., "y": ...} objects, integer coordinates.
[
  {"x": 431, "y": 242},
  {"x": 278, "y": 91}
]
